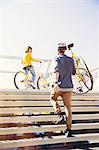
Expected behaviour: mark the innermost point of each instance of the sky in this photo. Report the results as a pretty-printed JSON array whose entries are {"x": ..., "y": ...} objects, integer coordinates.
[{"x": 42, "y": 24}]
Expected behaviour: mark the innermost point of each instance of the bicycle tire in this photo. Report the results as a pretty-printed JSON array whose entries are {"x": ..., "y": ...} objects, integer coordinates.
[
  {"x": 91, "y": 77},
  {"x": 42, "y": 85},
  {"x": 17, "y": 84},
  {"x": 80, "y": 89}
]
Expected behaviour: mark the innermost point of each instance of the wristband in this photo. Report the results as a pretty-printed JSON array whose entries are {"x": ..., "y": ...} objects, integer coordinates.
[{"x": 54, "y": 83}]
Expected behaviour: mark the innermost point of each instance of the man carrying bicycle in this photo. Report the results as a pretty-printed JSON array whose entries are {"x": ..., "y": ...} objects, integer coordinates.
[
  {"x": 63, "y": 86},
  {"x": 27, "y": 63}
]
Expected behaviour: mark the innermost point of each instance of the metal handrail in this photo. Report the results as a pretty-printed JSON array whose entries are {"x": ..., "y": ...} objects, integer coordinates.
[
  {"x": 19, "y": 58},
  {"x": 10, "y": 57}
]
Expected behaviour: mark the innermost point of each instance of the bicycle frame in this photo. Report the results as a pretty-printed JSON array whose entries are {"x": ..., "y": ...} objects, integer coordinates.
[
  {"x": 77, "y": 62},
  {"x": 81, "y": 66}
]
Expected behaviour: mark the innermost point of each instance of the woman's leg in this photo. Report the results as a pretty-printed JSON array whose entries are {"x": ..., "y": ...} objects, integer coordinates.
[
  {"x": 32, "y": 71},
  {"x": 26, "y": 70}
]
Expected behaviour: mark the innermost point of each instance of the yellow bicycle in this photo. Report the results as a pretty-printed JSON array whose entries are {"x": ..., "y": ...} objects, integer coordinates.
[{"x": 83, "y": 80}]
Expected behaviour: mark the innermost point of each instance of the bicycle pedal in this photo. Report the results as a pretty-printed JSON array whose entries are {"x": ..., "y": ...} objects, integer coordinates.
[
  {"x": 80, "y": 89},
  {"x": 22, "y": 81}
]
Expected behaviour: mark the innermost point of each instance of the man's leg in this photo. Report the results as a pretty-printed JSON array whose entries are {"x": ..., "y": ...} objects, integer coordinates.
[
  {"x": 53, "y": 99},
  {"x": 66, "y": 96}
]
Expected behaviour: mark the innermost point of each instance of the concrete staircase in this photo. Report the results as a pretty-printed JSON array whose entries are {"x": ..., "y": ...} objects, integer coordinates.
[{"x": 27, "y": 121}]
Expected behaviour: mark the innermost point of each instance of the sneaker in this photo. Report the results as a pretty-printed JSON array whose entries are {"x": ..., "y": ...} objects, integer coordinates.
[
  {"x": 33, "y": 87},
  {"x": 68, "y": 133},
  {"x": 60, "y": 119}
]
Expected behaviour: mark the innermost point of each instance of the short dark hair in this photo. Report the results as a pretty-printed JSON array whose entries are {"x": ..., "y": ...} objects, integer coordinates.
[{"x": 27, "y": 49}]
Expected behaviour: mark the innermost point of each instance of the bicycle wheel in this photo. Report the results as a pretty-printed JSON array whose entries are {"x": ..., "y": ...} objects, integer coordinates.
[
  {"x": 21, "y": 82},
  {"x": 42, "y": 83},
  {"x": 90, "y": 75},
  {"x": 84, "y": 84}
]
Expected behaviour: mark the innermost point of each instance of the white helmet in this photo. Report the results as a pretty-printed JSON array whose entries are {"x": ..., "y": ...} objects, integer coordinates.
[{"x": 62, "y": 46}]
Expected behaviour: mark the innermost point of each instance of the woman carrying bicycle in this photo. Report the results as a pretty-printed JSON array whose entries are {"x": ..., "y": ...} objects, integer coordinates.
[{"x": 27, "y": 63}]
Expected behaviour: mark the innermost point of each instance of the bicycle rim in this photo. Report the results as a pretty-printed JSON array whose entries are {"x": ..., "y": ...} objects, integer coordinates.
[
  {"x": 90, "y": 75},
  {"x": 42, "y": 83},
  {"x": 82, "y": 86}
]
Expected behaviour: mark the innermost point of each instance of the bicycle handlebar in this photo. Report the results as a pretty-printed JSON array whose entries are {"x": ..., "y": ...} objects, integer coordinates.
[
  {"x": 45, "y": 60},
  {"x": 70, "y": 46}
]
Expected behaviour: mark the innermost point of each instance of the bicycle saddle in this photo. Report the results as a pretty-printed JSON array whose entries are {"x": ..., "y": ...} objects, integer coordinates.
[{"x": 70, "y": 45}]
